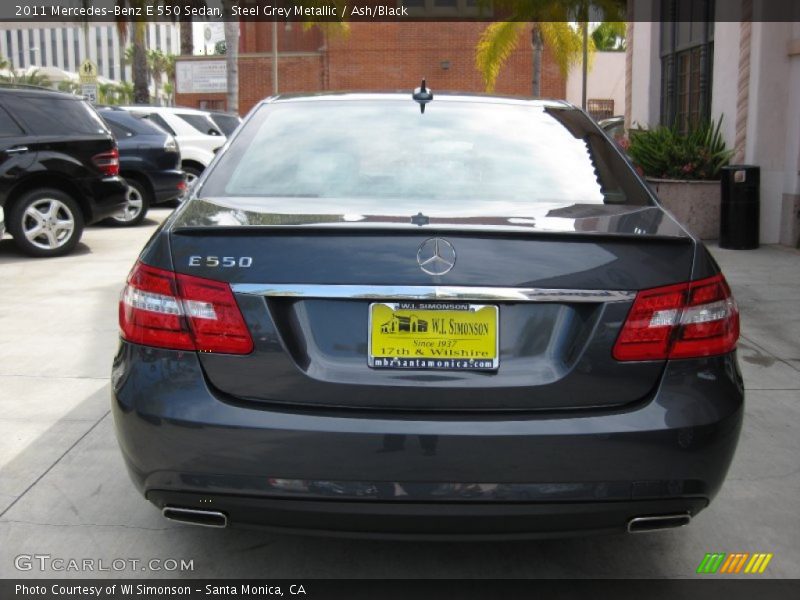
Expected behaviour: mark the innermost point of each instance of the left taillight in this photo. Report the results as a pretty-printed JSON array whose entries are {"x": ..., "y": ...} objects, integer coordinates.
[
  {"x": 690, "y": 320},
  {"x": 107, "y": 162},
  {"x": 170, "y": 310}
]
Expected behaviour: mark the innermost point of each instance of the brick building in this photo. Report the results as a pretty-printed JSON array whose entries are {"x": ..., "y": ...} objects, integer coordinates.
[{"x": 373, "y": 56}]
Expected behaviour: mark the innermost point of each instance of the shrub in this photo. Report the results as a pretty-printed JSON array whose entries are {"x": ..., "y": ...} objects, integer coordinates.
[{"x": 666, "y": 153}]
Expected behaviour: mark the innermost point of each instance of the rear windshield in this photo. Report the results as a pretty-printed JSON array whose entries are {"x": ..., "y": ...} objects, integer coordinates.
[
  {"x": 201, "y": 123},
  {"x": 131, "y": 122},
  {"x": 461, "y": 155},
  {"x": 57, "y": 116},
  {"x": 226, "y": 123},
  {"x": 160, "y": 122}
]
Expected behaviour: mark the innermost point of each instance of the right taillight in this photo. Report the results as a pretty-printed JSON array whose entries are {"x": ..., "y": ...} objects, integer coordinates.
[
  {"x": 168, "y": 310},
  {"x": 107, "y": 162},
  {"x": 695, "y": 319}
]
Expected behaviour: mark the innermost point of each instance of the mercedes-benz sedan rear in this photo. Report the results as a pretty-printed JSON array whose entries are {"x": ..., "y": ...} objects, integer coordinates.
[{"x": 468, "y": 320}]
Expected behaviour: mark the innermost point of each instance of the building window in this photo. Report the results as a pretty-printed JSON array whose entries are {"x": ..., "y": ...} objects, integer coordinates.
[
  {"x": 9, "y": 52},
  {"x": 65, "y": 50},
  {"x": 40, "y": 53},
  {"x": 112, "y": 71},
  {"x": 687, "y": 55},
  {"x": 76, "y": 46},
  {"x": 54, "y": 62},
  {"x": 98, "y": 45}
]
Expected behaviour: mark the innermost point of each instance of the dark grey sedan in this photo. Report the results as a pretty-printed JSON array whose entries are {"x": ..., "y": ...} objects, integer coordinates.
[{"x": 470, "y": 320}]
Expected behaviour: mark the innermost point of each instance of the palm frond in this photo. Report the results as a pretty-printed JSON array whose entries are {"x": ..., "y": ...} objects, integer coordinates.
[
  {"x": 496, "y": 44},
  {"x": 565, "y": 42}
]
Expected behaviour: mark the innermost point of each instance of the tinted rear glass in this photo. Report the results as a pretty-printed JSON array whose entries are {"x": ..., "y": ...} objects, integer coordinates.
[
  {"x": 134, "y": 123},
  {"x": 57, "y": 116},
  {"x": 226, "y": 123},
  {"x": 201, "y": 123},
  {"x": 119, "y": 131},
  {"x": 159, "y": 120},
  {"x": 470, "y": 157}
]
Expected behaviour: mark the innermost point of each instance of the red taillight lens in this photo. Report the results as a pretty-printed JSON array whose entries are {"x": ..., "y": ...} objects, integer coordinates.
[
  {"x": 107, "y": 162},
  {"x": 168, "y": 310},
  {"x": 699, "y": 318}
]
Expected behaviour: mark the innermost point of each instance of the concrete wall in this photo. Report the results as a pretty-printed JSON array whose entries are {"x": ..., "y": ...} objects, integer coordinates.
[
  {"x": 606, "y": 80},
  {"x": 766, "y": 119},
  {"x": 724, "y": 89},
  {"x": 790, "y": 214},
  {"x": 646, "y": 83}
]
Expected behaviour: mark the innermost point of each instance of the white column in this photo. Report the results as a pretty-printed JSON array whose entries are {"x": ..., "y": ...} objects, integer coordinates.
[
  {"x": 117, "y": 58},
  {"x": 25, "y": 50},
  {"x": 14, "y": 49}
]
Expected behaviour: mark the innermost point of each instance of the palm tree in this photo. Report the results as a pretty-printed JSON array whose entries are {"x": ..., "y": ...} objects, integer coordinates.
[
  {"x": 185, "y": 22},
  {"x": 125, "y": 92},
  {"x": 107, "y": 93},
  {"x": 71, "y": 87},
  {"x": 169, "y": 68},
  {"x": 187, "y": 41},
  {"x": 157, "y": 63},
  {"x": 138, "y": 54},
  {"x": 169, "y": 90},
  {"x": 609, "y": 36},
  {"x": 550, "y": 24},
  {"x": 33, "y": 78}
]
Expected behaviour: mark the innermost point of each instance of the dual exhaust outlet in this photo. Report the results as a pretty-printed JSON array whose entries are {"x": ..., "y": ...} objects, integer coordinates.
[
  {"x": 658, "y": 522},
  {"x": 196, "y": 516},
  {"x": 217, "y": 519}
]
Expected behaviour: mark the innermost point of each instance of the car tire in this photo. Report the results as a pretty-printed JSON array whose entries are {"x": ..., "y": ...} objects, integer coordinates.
[
  {"x": 45, "y": 222},
  {"x": 135, "y": 210},
  {"x": 192, "y": 173}
]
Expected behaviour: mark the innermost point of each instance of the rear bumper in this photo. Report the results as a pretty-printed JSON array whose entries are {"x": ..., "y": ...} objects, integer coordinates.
[
  {"x": 107, "y": 197},
  {"x": 440, "y": 521},
  {"x": 165, "y": 184},
  {"x": 424, "y": 475}
]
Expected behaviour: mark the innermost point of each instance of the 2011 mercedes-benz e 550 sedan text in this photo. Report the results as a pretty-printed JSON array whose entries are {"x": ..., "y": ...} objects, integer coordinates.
[{"x": 382, "y": 314}]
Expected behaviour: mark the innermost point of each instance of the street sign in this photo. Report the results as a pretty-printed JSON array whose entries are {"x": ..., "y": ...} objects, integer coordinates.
[
  {"x": 89, "y": 90},
  {"x": 88, "y": 72}
]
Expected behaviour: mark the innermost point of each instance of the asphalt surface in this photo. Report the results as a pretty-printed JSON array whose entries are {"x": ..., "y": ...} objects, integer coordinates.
[{"x": 64, "y": 491}]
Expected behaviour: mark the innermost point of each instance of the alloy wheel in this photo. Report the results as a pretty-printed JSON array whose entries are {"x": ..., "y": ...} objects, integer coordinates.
[
  {"x": 48, "y": 223},
  {"x": 132, "y": 208}
]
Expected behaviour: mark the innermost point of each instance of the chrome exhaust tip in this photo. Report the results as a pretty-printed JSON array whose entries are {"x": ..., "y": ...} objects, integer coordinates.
[
  {"x": 658, "y": 522},
  {"x": 196, "y": 516}
]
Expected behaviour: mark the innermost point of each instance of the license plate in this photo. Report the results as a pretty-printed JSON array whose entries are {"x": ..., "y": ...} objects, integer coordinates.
[{"x": 433, "y": 335}]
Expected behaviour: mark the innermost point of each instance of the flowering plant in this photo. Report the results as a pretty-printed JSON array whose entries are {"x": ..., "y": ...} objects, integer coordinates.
[{"x": 667, "y": 153}]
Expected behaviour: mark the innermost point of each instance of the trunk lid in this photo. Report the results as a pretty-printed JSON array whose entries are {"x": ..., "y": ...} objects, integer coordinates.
[{"x": 305, "y": 292}]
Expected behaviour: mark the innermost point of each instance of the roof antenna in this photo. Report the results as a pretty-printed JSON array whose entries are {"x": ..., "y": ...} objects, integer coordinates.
[{"x": 422, "y": 95}]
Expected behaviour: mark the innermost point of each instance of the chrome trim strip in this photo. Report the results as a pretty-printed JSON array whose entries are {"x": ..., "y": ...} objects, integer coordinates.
[{"x": 430, "y": 292}]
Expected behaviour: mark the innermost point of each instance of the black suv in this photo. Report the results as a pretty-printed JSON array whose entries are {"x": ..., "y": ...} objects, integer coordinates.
[
  {"x": 149, "y": 161},
  {"x": 59, "y": 169}
]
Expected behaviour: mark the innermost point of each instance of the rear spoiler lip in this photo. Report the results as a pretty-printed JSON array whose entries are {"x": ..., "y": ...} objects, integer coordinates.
[{"x": 337, "y": 228}]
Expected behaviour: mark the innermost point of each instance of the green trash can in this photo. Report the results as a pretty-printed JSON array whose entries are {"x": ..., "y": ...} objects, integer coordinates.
[{"x": 740, "y": 208}]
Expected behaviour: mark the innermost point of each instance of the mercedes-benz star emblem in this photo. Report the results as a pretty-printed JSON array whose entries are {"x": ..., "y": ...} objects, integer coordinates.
[{"x": 436, "y": 256}]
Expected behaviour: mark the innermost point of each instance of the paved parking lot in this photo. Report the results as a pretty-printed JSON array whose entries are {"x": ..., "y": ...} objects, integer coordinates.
[{"x": 64, "y": 491}]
